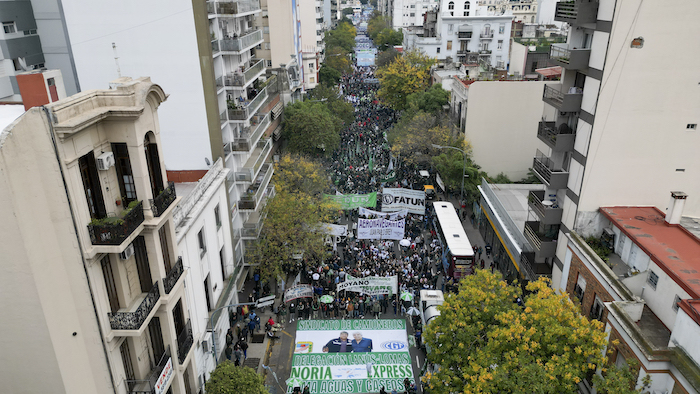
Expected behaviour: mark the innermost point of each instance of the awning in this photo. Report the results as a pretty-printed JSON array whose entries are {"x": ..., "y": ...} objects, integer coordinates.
[
  {"x": 277, "y": 110},
  {"x": 277, "y": 133},
  {"x": 549, "y": 71}
]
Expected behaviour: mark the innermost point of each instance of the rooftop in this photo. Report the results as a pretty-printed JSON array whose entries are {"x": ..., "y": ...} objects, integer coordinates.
[{"x": 673, "y": 248}]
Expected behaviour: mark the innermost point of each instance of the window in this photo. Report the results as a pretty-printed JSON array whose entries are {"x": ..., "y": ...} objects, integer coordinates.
[
  {"x": 413, "y": 6},
  {"x": 153, "y": 160},
  {"x": 9, "y": 27},
  {"x": 466, "y": 8},
  {"x": 597, "y": 309},
  {"x": 268, "y": 63},
  {"x": 125, "y": 176},
  {"x": 266, "y": 45},
  {"x": 438, "y": 49},
  {"x": 217, "y": 217},
  {"x": 450, "y": 27},
  {"x": 413, "y": 14},
  {"x": 451, "y": 7},
  {"x": 449, "y": 45},
  {"x": 653, "y": 279},
  {"x": 91, "y": 185},
  {"x": 109, "y": 284},
  {"x": 485, "y": 46},
  {"x": 223, "y": 262},
  {"x": 312, "y": 80},
  {"x": 311, "y": 66},
  {"x": 676, "y": 300},
  {"x": 500, "y": 44},
  {"x": 691, "y": 126},
  {"x": 29, "y": 32},
  {"x": 501, "y": 29},
  {"x": 580, "y": 287},
  {"x": 206, "y": 293},
  {"x": 202, "y": 243},
  {"x": 126, "y": 360},
  {"x": 266, "y": 29},
  {"x": 165, "y": 248},
  {"x": 17, "y": 62}
]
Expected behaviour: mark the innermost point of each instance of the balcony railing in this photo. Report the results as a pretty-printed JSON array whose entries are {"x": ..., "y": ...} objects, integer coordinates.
[
  {"x": 526, "y": 266},
  {"x": 572, "y": 59},
  {"x": 255, "y": 193},
  {"x": 569, "y": 101},
  {"x": 544, "y": 244},
  {"x": 548, "y": 210},
  {"x": 241, "y": 43},
  {"x": 115, "y": 230},
  {"x": 248, "y": 108},
  {"x": 148, "y": 386},
  {"x": 486, "y": 35},
  {"x": 241, "y": 79},
  {"x": 464, "y": 35},
  {"x": 560, "y": 138},
  {"x": 232, "y": 8},
  {"x": 173, "y": 276},
  {"x": 548, "y": 173},
  {"x": 184, "y": 341},
  {"x": 250, "y": 136},
  {"x": 215, "y": 46},
  {"x": 134, "y": 320},
  {"x": 576, "y": 12},
  {"x": 163, "y": 200},
  {"x": 257, "y": 159}
]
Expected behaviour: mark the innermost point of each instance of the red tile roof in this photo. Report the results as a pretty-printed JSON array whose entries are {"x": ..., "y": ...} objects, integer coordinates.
[{"x": 673, "y": 248}]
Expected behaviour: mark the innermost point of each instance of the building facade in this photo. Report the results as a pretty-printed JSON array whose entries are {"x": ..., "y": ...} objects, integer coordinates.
[
  {"x": 522, "y": 10},
  {"x": 103, "y": 302}
]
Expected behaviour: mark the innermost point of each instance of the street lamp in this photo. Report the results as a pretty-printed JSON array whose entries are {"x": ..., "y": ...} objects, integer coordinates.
[
  {"x": 211, "y": 328},
  {"x": 464, "y": 164}
]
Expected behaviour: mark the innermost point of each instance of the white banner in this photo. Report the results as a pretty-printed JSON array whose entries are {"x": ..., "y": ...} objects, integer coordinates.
[
  {"x": 439, "y": 182},
  {"x": 298, "y": 291},
  {"x": 334, "y": 229},
  {"x": 381, "y": 229},
  {"x": 386, "y": 215},
  {"x": 371, "y": 285},
  {"x": 396, "y": 199}
]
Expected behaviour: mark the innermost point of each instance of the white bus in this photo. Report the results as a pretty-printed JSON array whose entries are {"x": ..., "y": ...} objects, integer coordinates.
[
  {"x": 429, "y": 301},
  {"x": 457, "y": 252}
]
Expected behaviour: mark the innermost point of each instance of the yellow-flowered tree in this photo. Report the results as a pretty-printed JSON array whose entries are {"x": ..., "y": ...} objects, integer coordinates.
[
  {"x": 407, "y": 74},
  {"x": 485, "y": 342}
]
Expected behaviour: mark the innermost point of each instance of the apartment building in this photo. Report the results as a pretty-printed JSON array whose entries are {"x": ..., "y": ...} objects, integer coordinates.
[
  {"x": 405, "y": 13},
  {"x": 461, "y": 32},
  {"x": 98, "y": 306},
  {"x": 646, "y": 292},
  {"x": 522, "y": 10}
]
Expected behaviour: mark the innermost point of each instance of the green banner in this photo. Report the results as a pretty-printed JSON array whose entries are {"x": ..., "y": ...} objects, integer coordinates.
[
  {"x": 390, "y": 177},
  {"x": 352, "y": 201}
]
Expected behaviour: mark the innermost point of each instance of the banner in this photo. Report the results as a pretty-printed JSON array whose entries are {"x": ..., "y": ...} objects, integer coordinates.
[
  {"x": 396, "y": 199},
  {"x": 352, "y": 201},
  {"x": 381, "y": 229},
  {"x": 439, "y": 182},
  {"x": 389, "y": 177},
  {"x": 371, "y": 285},
  {"x": 334, "y": 229},
  {"x": 298, "y": 291},
  {"x": 375, "y": 355},
  {"x": 368, "y": 213}
]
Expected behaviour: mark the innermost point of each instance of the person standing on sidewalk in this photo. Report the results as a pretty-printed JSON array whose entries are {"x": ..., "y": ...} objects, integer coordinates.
[
  {"x": 244, "y": 347},
  {"x": 292, "y": 311}
]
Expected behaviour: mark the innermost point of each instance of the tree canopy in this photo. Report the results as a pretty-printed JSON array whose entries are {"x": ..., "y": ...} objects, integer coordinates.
[
  {"x": 342, "y": 36},
  {"x": 311, "y": 128},
  {"x": 298, "y": 174},
  {"x": 230, "y": 379},
  {"x": 407, "y": 74},
  {"x": 430, "y": 100},
  {"x": 485, "y": 342},
  {"x": 412, "y": 137},
  {"x": 387, "y": 56}
]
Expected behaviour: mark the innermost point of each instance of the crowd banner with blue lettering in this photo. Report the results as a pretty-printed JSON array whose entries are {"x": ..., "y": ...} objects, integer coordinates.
[
  {"x": 298, "y": 291},
  {"x": 352, "y": 201},
  {"x": 396, "y": 199},
  {"x": 381, "y": 229},
  {"x": 370, "y": 214}
]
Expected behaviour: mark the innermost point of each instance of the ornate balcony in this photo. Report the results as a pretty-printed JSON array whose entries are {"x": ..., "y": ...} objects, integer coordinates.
[
  {"x": 568, "y": 100},
  {"x": 486, "y": 35},
  {"x": 571, "y": 59},
  {"x": 184, "y": 342},
  {"x": 548, "y": 210},
  {"x": 560, "y": 138},
  {"x": 248, "y": 108},
  {"x": 171, "y": 279},
  {"x": 549, "y": 174},
  {"x": 134, "y": 319},
  {"x": 116, "y": 229},
  {"x": 163, "y": 200},
  {"x": 576, "y": 12},
  {"x": 148, "y": 385}
]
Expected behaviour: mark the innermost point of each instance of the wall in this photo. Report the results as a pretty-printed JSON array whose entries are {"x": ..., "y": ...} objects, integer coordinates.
[
  {"x": 502, "y": 121},
  {"x": 518, "y": 55},
  {"x": 640, "y": 128},
  {"x": 685, "y": 334},
  {"x": 281, "y": 32},
  {"x": 660, "y": 300},
  {"x": 147, "y": 44}
]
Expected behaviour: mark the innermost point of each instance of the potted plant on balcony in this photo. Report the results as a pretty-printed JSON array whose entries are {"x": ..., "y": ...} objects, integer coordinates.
[{"x": 115, "y": 220}]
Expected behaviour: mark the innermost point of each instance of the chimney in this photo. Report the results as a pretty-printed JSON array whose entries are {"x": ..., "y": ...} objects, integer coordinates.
[
  {"x": 675, "y": 207},
  {"x": 40, "y": 87}
]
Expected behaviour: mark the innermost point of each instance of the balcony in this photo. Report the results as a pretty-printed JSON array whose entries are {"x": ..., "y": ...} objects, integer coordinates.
[
  {"x": 223, "y": 117},
  {"x": 548, "y": 210},
  {"x": 485, "y": 52},
  {"x": 464, "y": 35},
  {"x": 184, "y": 342},
  {"x": 560, "y": 138},
  {"x": 161, "y": 203},
  {"x": 232, "y": 8},
  {"x": 171, "y": 279},
  {"x": 250, "y": 136},
  {"x": 545, "y": 243},
  {"x": 564, "y": 102},
  {"x": 134, "y": 319},
  {"x": 532, "y": 271},
  {"x": 252, "y": 227},
  {"x": 240, "y": 44},
  {"x": 245, "y": 110},
  {"x": 148, "y": 385},
  {"x": 486, "y": 35},
  {"x": 549, "y": 174},
  {"x": 255, "y": 161},
  {"x": 251, "y": 199},
  {"x": 215, "y": 47},
  {"x": 251, "y": 71},
  {"x": 577, "y": 12},
  {"x": 116, "y": 229},
  {"x": 571, "y": 59}
]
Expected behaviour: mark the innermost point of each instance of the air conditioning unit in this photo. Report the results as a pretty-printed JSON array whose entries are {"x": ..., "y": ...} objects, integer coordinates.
[
  {"x": 105, "y": 161},
  {"x": 127, "y": 253}
]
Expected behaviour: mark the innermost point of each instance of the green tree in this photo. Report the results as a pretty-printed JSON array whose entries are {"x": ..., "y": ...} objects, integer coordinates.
[
  {"x": 449, "y": 165},
  {"x": 430, "y": 101},
  {"x": 230, "y": 379},
  {"x": 412, "y": 138},
  {"x": 388, "y": 38},
  {"x": 310, "y": 128},
  {"x": 342, "y": 36},
  {"x": 485, "y": 342},
  {"x": 328, "y": 75},
  {"x": 376, "y": 24},
  {"x": 621, "y": 380},
  {"x": 407, "y": 74},
  {"x": 387, "y": 56},
  {"x": 298, "y": 174},
  {"x": 338, "y": 107}
]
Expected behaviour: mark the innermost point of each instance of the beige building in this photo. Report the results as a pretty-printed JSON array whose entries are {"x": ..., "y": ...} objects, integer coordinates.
[{"x": 92, "y": 285}]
